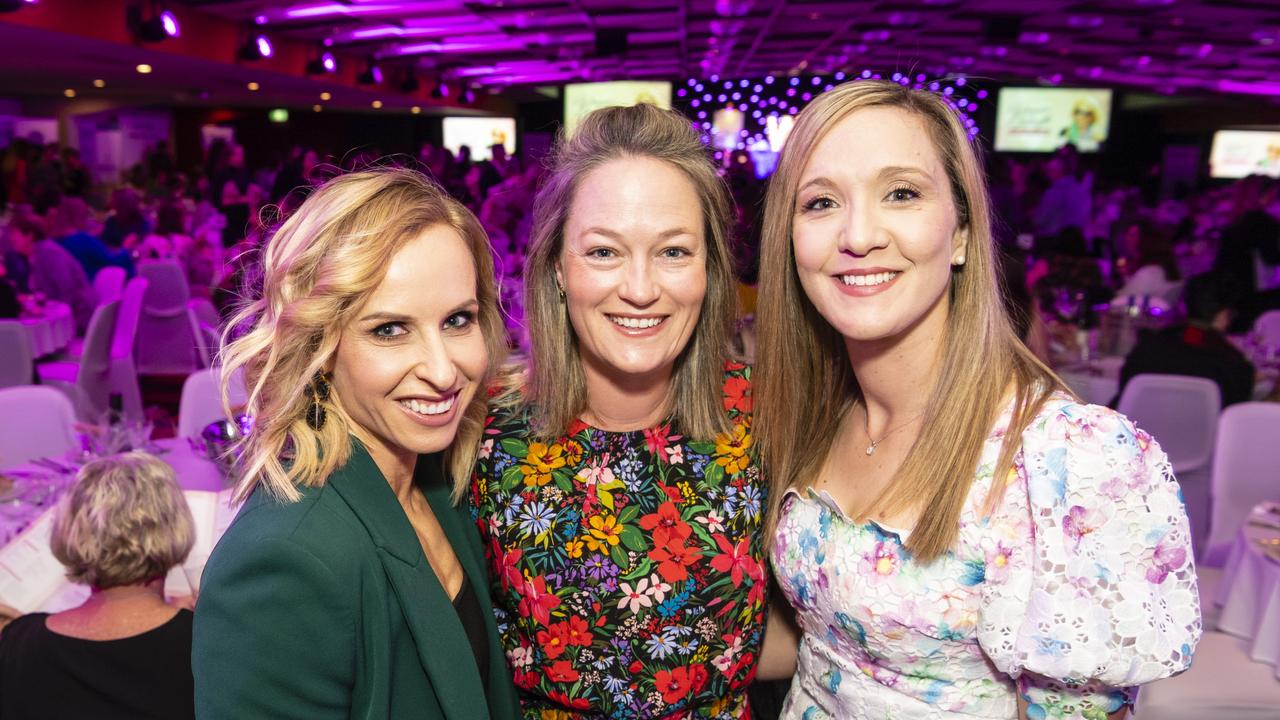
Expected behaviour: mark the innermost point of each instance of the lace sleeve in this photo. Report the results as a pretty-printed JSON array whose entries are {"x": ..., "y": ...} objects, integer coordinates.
[{"x": 1091, "y": 587}]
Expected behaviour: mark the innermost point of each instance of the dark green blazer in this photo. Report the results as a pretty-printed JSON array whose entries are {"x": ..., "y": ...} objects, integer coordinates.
[{"x": 327, "y": 608}]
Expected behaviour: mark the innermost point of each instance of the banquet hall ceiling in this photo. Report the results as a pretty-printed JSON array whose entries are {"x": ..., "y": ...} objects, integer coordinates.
[{"x": 1182, "y": 46}]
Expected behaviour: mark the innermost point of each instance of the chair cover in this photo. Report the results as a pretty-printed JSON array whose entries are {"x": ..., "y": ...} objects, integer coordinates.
[
  {"x": 87, "y": 381},
  {"x": 1245, "y": 464},
  {"x": 1181, "y": 412},
  {"x": 201, "y": 401},
  {"x": 109, "y": 283},
  {"x": 165, "y": 343},
  {"x": 38, "y": 421},
  {"x": 15, "y": 354},
  {"x": 1222, "y": 684}
]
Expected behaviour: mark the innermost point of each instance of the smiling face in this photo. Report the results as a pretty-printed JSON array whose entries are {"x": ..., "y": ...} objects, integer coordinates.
[
  {"x": 875, "y": 230},
  {"x": 411, "y": 360},
  {"x": 633, "y": 267}
]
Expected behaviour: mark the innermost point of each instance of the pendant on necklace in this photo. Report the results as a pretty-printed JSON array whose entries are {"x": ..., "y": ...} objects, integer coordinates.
[{"x": 872, "y": 448}]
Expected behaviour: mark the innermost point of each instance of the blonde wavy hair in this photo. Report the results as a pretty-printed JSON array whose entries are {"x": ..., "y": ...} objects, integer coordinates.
[
  {"x": 125, "y": 522},
  {"x": 556, "y": 383},
  {"x": 804, "y": 384},
  {"x": 318, "y": 269}
]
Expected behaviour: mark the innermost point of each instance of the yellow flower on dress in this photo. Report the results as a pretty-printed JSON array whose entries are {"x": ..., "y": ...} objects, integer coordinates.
[
  {"x": 574, "y": 548},
  {"x": 572, "y": 452},
  {"x": 539, "y": 462},
  {"x": 732, "y": 450},
  {"x": 605, "y": 532}
]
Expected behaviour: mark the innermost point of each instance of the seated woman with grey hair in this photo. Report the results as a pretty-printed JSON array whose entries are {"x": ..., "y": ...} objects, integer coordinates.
[{"x": 125, "y": 652}]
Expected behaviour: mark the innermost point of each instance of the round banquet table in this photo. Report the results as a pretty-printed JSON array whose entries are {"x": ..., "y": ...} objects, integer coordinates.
[
  {"x": 193, "y": 470},
  {"x": 1250, "y": 589},
  {"x": 51, "y": 330}
]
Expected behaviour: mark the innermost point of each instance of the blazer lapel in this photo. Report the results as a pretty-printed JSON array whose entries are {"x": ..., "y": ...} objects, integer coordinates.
[{"x": 429, "y": 614}]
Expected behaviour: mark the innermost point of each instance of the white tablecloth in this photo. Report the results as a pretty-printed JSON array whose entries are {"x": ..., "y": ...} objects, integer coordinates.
[
  {"x": 1250, "y": 589},
  {"x": 50, "y": 331},
  {"x": 193, "y": 470}
]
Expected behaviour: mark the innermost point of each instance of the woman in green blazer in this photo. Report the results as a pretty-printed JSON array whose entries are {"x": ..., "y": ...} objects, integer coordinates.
[{"x": 350, "y": 585}]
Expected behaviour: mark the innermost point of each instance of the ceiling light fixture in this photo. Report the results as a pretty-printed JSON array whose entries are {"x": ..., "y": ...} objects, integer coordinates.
[{"x": 256, "y": 47}]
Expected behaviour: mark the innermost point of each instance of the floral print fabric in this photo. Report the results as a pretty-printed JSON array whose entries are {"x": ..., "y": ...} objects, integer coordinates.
[
  {"x": 1079, "y": 587},
  {"x": 628, "y": 567}
]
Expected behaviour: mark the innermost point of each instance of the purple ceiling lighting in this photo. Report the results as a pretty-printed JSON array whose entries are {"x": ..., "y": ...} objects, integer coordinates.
[{"x": 1198, "y": 46}]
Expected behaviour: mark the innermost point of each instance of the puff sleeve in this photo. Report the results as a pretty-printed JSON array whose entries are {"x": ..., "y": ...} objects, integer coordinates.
[{"x": 1090, "y": 587}]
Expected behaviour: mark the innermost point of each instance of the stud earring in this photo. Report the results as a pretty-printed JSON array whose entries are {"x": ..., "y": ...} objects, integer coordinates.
[
  {"x": 958, "y": 261},
  {"x": 316, "y": 414}
]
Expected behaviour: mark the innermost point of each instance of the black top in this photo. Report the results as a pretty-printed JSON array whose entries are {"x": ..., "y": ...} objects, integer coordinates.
[
  {"x": 472, "y": 617},
  {"x": 49, "y": 676},
  {"x": 1193, "y": 351}
]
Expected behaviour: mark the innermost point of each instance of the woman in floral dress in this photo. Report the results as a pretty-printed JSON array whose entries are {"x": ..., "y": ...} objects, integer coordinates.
[
  {"x": 617, "y": 489},
  {"x": 959, "y": 537}
]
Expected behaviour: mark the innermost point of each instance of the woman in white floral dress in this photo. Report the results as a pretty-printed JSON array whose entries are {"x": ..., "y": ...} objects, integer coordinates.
[{"x": 959, "y": 537}]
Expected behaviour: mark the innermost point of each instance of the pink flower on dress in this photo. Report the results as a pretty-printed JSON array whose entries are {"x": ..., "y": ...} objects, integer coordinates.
[
  {"x": 1165, "y": 559},
  {"x": 884, "y": 561}
]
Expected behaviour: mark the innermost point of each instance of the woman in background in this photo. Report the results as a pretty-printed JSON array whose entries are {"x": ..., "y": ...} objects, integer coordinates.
[{"x": 124, "y": 652}]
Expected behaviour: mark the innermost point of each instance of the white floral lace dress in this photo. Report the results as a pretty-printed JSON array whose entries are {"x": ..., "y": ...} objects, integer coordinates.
[{"x": 1077, "y": 589}]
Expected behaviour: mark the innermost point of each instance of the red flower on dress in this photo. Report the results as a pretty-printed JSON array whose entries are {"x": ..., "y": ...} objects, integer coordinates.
[
  {"x": 572, "y": 703},
  {"x": 737, "y": 394},
  {"x": 657, "y": 439},
  {"x": 666, "y": 524},
  {"x": 562, "y": 671},
  {"x": 525, "y": 680},
  {"x": 678, "y": 684},
  {"x": 736, "y": 560},
  {"x": 536, "y": 602},
  {"x": 553, "y": 640},
  {"x": 577, "y": 632},
  {"x": 674, "y": 559},
  {"x": 510, "y": 565}
]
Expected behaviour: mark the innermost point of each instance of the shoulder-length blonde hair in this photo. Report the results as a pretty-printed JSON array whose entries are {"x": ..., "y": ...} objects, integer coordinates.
[
  {"x": 318, "y": 268},
  {"x": 804, "y": 382},
  {"x": 125, "y": 522},
  {"x": 556, "y": 383}
]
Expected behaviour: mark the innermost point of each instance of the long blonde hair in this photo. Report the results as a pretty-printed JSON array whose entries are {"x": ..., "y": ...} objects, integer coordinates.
[
  {"x": 556, "y": 382},
  {"x": 318, "y": 269},
  {"x": 804, "y": 384}
]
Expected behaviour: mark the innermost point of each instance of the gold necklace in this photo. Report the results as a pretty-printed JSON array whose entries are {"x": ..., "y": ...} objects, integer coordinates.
[{"x": 866, "y": 427}]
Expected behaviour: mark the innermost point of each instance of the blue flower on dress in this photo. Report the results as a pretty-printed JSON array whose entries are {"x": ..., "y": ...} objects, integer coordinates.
[
  {"x": 536, "y": 518},
  {"x": 973, "y": 572},
  {"x": 513, "y": 505},
  {"x": 751, "y": 501},
  {"x": 660, "y": 646},
  {"x": 831, "y": 681}
]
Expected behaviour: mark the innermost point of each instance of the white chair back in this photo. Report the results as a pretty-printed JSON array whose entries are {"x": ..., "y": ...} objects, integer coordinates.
[
  {"x": 1180, "y": 412},
  {"x": 127, "y": 321},
  {"x": 204, "y": 326},
  {"x": 46, "y": 429},
  {"x": 201, "y": 401},
  {"x": 15, "y": 354},
  {"x": 165, "y": 343},
  {"x": 1245, "y": 466},
  {"x": 109, "y": 283},
  {"x": 1267, "y": 327}
]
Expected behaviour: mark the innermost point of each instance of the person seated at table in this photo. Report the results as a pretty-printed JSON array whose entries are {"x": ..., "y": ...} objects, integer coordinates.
[
  {"x": 51, "y": 269},
  {"x": 125, "y": 652},
  {"x": 1198, "y": 347},
  {"x": 70, "y": 228},
  {"x": 350, "y": 585}
]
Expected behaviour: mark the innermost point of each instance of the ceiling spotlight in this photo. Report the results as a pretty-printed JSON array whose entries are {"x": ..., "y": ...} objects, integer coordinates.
[
  {"x": 468, "y": 97},
  {"x": 253, "y": 86},
  {"x": 69, "y": 93},
  {"x": 14, "y": 5},
  {"x": 376, "y": 104},
  {"x": 256, "y": 47},
  {"x": 99, "y": 83},
  {"x": 143, "y": 69},
  {"x": 325, "y": 96},
  {"x": 317, "y": 108},
  {"x": 325, "y": 64},
  {"x": 415, "y": 110},
  {"x": 162, "y": 24},
  {"x": 372, "y": 74},
  {"x": 440, "y": 91}
]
